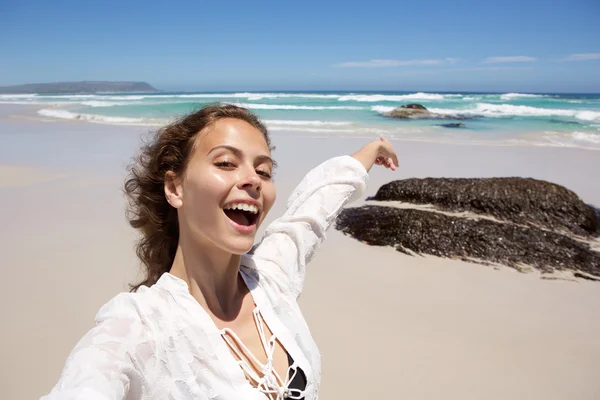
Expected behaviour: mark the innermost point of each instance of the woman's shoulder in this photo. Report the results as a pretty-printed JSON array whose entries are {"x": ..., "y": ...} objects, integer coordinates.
[{"x": 145, "y": 305}]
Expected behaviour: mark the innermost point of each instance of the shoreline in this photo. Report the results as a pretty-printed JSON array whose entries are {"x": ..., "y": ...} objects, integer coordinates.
[{"x": 31, "y": 112}]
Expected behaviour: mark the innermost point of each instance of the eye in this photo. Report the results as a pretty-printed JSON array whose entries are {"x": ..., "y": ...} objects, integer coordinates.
[
  {"x": 265, "y": 174},
  {"x": 225, "y": 164}
]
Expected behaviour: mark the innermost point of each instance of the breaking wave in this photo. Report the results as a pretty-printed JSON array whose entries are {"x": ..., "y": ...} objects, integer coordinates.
[
  {"x": 448, "y": 111},
  {"x": 260, "y": 96},
  {"x": 500, "y": 110},
  {"x": 510, "y": 96},
  {"x": 402, "y": 97},
  {"x": 382, "y": 109},
  {"x": 509, "y": 110}
]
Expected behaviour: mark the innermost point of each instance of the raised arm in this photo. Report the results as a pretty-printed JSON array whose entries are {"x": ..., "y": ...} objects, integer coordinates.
[
  {"x": 103, "y": 364},
  {"x": 291, "y": 241}
]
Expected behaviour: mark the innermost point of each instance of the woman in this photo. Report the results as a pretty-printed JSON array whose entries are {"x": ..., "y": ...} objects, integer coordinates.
[{"x": 215, "y": 318}]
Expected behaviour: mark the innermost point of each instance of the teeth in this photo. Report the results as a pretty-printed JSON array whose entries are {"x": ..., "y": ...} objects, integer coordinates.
[{"x": 244, "y": 207}]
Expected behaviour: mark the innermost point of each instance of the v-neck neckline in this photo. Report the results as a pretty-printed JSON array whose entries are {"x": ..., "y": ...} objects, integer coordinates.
[
  {"x": 277, "y": 328},
  {"x": 222, "y": 351}
]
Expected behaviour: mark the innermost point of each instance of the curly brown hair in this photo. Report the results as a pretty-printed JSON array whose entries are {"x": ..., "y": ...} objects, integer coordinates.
[{"x": 148, "y": 210}]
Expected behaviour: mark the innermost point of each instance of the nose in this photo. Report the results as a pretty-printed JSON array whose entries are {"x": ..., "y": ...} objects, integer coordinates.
[{"x": 250, "y": 181}]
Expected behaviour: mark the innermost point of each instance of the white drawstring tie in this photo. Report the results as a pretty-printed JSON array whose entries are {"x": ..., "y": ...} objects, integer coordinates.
[{"x": 270, "y": 383}]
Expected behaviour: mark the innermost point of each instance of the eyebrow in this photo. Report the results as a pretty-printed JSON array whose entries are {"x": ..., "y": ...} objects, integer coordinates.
[{"x": 238, "y": 153}]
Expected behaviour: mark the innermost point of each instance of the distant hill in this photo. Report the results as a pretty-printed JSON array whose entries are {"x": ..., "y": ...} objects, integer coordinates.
[{"x": 78, "y": 87}]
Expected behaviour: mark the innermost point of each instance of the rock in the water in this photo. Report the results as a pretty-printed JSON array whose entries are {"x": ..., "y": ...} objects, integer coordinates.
[
  {"x": 520, "y": 200},
  {"x": 453, "y": 125},
  {"x": 414, "y": 106},
  {"x": 418, "y": 111},
  {"x": 475, "y": 240}
]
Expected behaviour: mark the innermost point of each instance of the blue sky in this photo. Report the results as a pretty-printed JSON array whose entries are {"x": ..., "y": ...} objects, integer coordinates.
[{"x": 434, "y": 45}]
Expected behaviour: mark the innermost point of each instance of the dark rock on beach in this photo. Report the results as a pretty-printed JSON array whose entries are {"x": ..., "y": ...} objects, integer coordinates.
[
  {"x": 519, "y": 200},
  {"x": 418, "y": 111},
  {"x": 473, "y": 240},
  {"x": 516, "y": 222}
]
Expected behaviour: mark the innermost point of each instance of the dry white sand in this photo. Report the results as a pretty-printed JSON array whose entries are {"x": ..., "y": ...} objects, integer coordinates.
[
  {"x": 15, "y": 175},
  {"x": 387, "y": 324}
]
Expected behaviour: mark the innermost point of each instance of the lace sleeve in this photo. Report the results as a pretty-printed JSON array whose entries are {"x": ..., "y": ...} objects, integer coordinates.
[
  {"x": 104, "y": 364},
  {"x": 290, "y": 242}
]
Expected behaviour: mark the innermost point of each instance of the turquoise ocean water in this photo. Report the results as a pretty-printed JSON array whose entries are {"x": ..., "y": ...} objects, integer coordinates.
[{"x": 571, "y": 120}]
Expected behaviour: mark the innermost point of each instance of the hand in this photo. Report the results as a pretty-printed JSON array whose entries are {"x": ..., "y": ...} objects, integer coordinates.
[
  {"x": 386, "y": 155},
  {"x": 378, "y": 152}
]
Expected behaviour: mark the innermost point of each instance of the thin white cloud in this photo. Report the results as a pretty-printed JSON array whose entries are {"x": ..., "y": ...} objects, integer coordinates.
[
  {"x": 583, "y": 57},
  {"x": 390, "y": 63},
  {"x": 494, "y": 69},
  {"x": 511, "y": 59}
]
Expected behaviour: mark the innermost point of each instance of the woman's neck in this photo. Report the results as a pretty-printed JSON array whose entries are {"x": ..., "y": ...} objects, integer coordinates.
[{"x": 213, "y": 278}]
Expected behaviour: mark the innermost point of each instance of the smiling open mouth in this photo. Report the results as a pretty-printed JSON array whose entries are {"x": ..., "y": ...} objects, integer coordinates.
[{"x": 242, "y": 214}]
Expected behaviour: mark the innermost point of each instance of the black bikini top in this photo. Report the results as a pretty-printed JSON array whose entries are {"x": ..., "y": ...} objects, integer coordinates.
[{"x": 299, "y": 380}]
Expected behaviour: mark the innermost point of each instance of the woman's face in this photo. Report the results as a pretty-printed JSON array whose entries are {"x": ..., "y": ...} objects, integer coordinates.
[{"x": 227, "y": 188}]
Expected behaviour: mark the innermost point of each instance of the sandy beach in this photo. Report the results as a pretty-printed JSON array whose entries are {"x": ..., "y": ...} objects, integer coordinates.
[{"x": 388, "y": 325}]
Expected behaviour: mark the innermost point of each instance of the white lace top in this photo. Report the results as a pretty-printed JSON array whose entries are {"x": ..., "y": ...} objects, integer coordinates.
[{"x": 159, "y": 343}]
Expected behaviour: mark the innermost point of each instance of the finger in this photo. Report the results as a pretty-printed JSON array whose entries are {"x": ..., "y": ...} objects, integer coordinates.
[
  {"x": 391, "y": 164},
  {"x": 389, "y": 151},
  {"x": 393, "y": 158}
]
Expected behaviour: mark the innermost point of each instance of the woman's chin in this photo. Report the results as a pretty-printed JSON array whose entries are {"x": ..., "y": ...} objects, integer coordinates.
[{"x": 241, "y": 246}]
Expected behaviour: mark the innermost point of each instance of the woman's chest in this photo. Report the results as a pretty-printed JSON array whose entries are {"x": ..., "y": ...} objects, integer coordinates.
[
  {"x": 254, "y": 346},
  {"x": 193, "y": 359}
]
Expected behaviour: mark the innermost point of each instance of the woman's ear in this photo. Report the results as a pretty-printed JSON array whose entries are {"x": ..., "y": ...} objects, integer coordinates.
[{"x": 173, "y": 189}]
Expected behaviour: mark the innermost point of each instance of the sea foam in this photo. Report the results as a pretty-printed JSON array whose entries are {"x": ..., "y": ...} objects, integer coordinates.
[
  {"x": 383, "y": 97},
  {"x": 311, "y": 130},
  {"x": 98, "y": 103},
  {"x": 510, "y": 96},
  {"x": 260, "y": 96},
  {"x": 259, "y": 106},
  {"x": 498, "y": 110},
  {"x": 382, "y": 109},
  {"x": 307, "y": 123},
  {"x": 509, "y": 110},
  {"x": 100, "y": 119},
  {"x": 16, "y": 96},
  {"x": 586, "y": 137},
  {"x": 249, "y": 95},
  {"x": 312, "y": 126}
]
